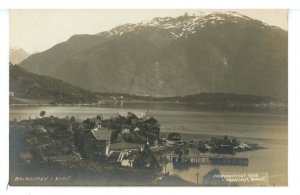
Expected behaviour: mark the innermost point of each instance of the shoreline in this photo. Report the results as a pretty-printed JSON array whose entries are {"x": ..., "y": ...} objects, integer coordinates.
[
  {"x": 263, "y": 107},
  {"x": 198, "y": 136}
]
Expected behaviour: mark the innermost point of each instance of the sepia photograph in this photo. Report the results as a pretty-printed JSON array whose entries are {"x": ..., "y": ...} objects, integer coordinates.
[{"x": 148, "y": 97}]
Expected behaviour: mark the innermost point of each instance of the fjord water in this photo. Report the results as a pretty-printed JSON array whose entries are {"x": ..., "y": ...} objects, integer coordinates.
[{"x": 267, "y": 129}]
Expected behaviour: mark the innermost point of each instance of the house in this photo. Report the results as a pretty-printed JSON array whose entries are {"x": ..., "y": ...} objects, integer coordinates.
[
  {"x": 149, "y": 126},
  {"x": 126, "y": 159},
  {"x": 125, "y": 129},
  {"x": 97, "y": 143},
  {"x": 131, "y": 118},
  {"x": 98, "y": 122},
  {"x": 174, "y": 139},
  {"x": 89, "y": 124}
]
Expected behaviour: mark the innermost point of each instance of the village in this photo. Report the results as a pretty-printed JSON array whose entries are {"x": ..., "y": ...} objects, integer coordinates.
[{"x": 123, "y": 142}]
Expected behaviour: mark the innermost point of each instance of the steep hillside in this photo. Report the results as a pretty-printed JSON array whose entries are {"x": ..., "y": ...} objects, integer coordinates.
[
  {"x": 27, "y": 85},
  {"x": 219, "y": 52}
]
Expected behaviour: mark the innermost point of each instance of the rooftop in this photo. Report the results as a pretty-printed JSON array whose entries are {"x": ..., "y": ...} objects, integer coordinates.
[{"x": 101, "y": 134}]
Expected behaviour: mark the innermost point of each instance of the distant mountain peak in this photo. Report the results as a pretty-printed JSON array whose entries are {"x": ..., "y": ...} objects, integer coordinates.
[
  {"x": 17, "y": 55},
  {"x": 183, "y": 25},
  {"x": 174, "y": 56}
]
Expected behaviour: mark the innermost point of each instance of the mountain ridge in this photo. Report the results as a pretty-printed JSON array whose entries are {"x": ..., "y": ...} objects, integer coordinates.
[
  {"x": 17, "y": 55},
  {"x": 27, "y": 85},
  {"x": 212, "y": 53}
]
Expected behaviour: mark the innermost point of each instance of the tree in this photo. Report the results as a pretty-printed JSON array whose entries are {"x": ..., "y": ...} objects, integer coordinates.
[
  {"x": 78, "y": 138},
  {"x": 99, "y": 117},
  {"x": 234, "y": 141},
  {"x": 72, "y": 119},
  {"x": 226, "y": 137},
  {"x": 226, "y": 140},
  {"x": 42, "y": 113}
]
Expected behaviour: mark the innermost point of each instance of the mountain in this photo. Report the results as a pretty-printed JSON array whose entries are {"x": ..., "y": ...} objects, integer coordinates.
[
  {"x": 219, "y": 52},
  {"x": 28, "y": 85},
  {"x": 17, "y": 55}
]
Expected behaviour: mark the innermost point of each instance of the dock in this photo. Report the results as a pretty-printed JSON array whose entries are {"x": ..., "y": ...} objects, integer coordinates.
[{"x": 187, "y": 160}]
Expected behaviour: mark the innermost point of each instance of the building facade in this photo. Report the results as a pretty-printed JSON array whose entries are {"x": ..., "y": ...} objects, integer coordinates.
[{"x": 97, "y": 143}]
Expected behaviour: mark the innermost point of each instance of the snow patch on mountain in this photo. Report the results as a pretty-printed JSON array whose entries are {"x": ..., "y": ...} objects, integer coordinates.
[{"x": 180, "y": 26}]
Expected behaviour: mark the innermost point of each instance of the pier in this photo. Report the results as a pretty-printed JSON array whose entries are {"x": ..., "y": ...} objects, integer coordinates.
[{"x": 186, "y": 160}]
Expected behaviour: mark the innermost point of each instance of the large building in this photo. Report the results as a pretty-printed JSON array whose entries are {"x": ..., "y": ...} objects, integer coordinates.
[{"x": 97, "y": 143}]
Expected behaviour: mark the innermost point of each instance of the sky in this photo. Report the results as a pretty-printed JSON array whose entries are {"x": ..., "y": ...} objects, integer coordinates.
[{"x": 39, "y": 30}]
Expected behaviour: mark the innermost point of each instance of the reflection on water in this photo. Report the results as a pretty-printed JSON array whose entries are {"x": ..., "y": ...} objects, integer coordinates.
[
  {"x": 272, "y": 160},
  {"x": 255, "y": 125},
  {"x": 269, "y": 130}
]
